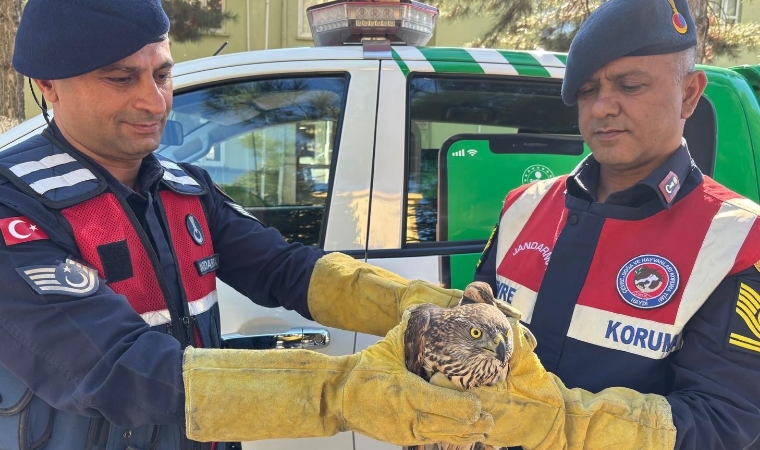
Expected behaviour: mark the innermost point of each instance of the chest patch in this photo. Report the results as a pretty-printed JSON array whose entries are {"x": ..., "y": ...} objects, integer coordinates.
[{"x": 647, "y": 281}]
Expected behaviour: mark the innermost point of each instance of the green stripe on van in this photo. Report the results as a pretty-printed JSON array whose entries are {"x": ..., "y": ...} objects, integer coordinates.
[{"x": 451, "y": 60}]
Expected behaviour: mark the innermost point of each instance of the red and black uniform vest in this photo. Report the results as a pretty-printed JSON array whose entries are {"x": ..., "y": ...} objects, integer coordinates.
[
  {"x": 643, "y": 285},
  {"x": 104, "y": 231}
]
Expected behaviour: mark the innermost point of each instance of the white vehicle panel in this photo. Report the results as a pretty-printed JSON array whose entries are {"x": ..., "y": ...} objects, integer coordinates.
[{"x": 390, "y": 142}]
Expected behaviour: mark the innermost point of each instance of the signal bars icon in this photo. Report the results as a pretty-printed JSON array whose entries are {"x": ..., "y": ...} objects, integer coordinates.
[{"x": 463, "y": 152}]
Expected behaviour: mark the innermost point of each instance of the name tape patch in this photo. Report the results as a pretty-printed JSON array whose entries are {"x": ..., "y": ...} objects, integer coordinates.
[
  {"x": 68, "y": 278},
  {"x": 207, "y": 265},
  {"x": 744, "y": 327}
]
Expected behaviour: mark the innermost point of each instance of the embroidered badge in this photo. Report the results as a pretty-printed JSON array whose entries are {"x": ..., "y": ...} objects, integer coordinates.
[
  {"x": 647, "y": 281},
  {"x": 17, "y": 230},
  {"x": 744, "y": 326},
  {"x": 669, "y": 186},
  {"x": 207, "y": 265},
  {"x": 194, "y": 228},
  {"x": 242, "y": 211},
  {"x": 68, "y": 278},
  {"x": 679, "y": 21}
]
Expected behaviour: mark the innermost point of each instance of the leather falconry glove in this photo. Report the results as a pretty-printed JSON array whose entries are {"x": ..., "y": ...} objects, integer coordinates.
[
  {"x": 242, "y": 395},
  {"x": 353, "y": 295},
  {"x": 533, "y": 409}
]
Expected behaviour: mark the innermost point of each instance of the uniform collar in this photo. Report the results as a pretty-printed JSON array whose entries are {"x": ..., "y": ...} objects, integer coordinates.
[
  {"x": 150, "y": 172},
  {"x": 663, "y": 183}
]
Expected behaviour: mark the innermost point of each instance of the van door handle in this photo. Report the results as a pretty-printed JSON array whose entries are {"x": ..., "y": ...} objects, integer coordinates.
[{"x": 309, "y": 338}]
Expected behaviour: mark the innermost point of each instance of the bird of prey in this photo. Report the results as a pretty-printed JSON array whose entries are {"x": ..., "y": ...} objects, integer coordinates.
[{"x": 470, "y": 344}]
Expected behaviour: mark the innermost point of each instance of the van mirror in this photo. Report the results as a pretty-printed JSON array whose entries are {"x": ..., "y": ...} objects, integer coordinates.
[{"x": 173, "y": 133}]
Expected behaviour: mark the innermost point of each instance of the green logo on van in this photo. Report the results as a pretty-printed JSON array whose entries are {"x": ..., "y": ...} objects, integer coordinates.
[{"x": 536, "y": 172}]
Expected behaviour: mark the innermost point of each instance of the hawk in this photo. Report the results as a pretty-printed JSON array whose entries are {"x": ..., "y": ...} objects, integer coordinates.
[{"x": 470, "y": 344}]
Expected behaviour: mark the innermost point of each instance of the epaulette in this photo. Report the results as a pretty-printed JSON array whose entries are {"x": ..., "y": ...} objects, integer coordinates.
[
  {"x": 43, "y": 168},
  {"x": 178, "y": 180}
]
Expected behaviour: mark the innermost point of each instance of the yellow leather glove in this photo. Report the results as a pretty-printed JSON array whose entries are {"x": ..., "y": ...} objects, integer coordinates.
[
  {"x": 242, "y": 395},
  {"x": 532, "y": 408},
  {"x": 353, "y": 295}
]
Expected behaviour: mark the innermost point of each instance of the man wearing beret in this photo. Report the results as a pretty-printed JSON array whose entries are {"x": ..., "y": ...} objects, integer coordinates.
[
  {"x": 643, "y": 314},
  {"x": 109, "y": 265}
]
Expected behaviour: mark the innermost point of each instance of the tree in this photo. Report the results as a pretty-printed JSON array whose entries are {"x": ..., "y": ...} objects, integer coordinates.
[
  {"x": 552, "y": 24},
  {"x": 190, "y": 20},
  {"x": 11, "y": 82}
]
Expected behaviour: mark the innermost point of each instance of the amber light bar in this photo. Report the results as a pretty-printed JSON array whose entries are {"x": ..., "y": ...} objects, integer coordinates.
[{"x": 351, "y": 22}]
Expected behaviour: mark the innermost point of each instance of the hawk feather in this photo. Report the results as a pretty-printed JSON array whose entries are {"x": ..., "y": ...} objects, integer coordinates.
[{"x": 470, "y": 344}]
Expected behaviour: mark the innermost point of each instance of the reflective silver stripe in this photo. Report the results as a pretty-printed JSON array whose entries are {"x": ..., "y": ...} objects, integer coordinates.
[
  {"x": 515, "y": 218},
  {"x": 723, "y": 241},
  {"x": 65, "y": 180},
  {"x": 189, "y": 181},
  {"x": 170, "y": 164},
  {"x": 607, "y": 329},
  {"x": 195, "y": 307},
  {"x": 45, "y": 163},
  {"x": 523, "y": 298}
]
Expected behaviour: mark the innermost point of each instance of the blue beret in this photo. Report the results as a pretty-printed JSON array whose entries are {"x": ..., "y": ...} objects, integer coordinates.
[
  {"x": 621, "y": 28},
  {"x": 64, "y": 38}
]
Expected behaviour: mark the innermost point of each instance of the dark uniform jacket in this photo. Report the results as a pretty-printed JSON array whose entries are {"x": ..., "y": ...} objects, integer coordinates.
[
  {"x": 83, "y": 362},
  {"x": 656, "y": 289}
]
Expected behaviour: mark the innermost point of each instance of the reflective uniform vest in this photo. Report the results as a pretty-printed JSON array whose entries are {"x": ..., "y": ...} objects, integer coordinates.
[
  {"x": 633, "y": 301},
  {"x": 111, "y": 240}
]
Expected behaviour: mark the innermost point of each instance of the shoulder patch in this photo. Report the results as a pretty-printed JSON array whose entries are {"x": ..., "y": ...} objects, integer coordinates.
[
  {"x": 242, "y": 211},
  {"x": 16, "y": 230},
  {"x": 744, "y": 327},
  {"x": 67, "y": 278}
]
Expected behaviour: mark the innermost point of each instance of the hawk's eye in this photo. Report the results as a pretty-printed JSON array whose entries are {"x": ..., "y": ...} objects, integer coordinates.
[{"x": 476, "y": 333}]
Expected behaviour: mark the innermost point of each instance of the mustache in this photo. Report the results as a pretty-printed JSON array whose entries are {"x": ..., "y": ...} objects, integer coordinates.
[
  {"x": 145, "y": 119},
  {"x": 606, "y": 125}
]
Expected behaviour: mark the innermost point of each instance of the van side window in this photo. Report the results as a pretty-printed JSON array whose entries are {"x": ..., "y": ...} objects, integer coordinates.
[
  {"x": 269, "y": 144},
  {"x": 473, "y": 139}
]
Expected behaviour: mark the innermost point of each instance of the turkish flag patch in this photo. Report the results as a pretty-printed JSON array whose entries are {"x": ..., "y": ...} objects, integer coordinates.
[{"x": 20, "y": 229}]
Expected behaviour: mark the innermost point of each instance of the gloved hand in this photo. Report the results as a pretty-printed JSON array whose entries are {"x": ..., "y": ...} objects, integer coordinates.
[
  {"x": 241, "y": 395},
  {"x": 353, "y": 295},
  {"x": 532, "y": 408}
]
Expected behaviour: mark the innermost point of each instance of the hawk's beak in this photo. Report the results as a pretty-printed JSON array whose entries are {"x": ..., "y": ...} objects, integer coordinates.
[{"x": 501, "y": 349}]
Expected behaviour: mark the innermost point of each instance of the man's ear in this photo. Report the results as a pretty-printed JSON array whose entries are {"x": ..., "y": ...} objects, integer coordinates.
[
  {"x": 693, "y": 87},
  {"x": 48, "y": 89}
]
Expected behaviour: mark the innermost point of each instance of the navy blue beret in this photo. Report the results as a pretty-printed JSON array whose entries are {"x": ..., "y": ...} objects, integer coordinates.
[
  {"x": 64, "y": 38},
  {"x": 621, "y": 28}
]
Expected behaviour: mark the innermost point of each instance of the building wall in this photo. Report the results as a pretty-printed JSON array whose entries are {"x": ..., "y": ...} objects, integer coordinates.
[{"x": 749, "y": 12}]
